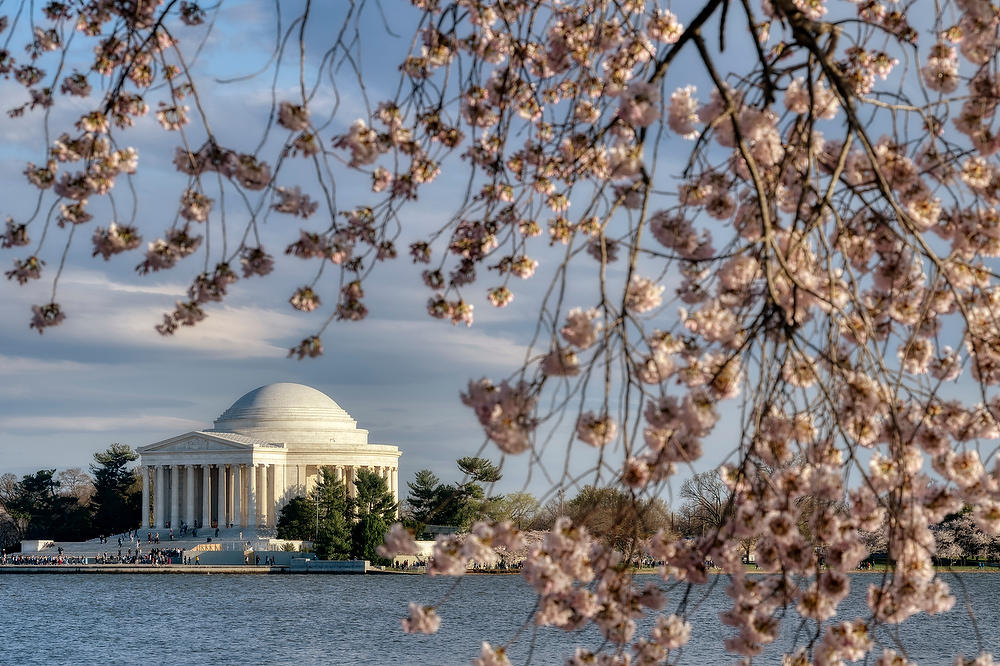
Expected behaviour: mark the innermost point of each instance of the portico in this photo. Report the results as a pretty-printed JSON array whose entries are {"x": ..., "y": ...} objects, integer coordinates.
[{"x": 270, "y": 446}]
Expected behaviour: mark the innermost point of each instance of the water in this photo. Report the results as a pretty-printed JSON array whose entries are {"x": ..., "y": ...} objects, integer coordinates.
[{"x": 221, "y": 619}]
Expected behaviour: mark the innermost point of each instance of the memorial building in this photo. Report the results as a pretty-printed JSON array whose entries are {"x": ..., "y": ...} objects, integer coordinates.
[{"x": 268, "y": 447}]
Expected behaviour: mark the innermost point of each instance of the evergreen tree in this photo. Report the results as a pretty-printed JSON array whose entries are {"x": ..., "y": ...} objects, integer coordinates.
[
  {"x": 373, "y": 497},
  {"x": 297, "y": 520},
  {"x": 375, "y": 509},
  {"x": 366, "y": 535},
  {"x": 332, "y": 537},
  {"x": 423, "y": 495},
  {"x": 334, "y": 540},
  {"x": 455, "y": 505},
  {"x": 435, "y": 503},
  {"x": 117, "y": 495},
  {"x": 479, "y": 470},
  {"x": 467, "y": 502}
]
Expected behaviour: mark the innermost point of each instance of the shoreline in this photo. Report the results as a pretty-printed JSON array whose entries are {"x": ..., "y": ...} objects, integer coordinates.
[
  {"x": 136, "y": 569},
  {"x": 198, "y": 569},
  {"x": 209, "y": 569}
]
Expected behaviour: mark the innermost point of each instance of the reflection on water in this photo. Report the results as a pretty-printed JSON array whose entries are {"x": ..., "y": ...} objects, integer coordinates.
[{"x": 219, "y": 619}]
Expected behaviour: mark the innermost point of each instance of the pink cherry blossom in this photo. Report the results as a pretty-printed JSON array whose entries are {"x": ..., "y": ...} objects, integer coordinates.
[
  {"x": 582, "y": 327},
  {"x": 684, "y": 112},
  {"x": 293, "y": 117},
  {"x": 596, "y": 430},
  {"x": 640, "y": 104},
  {"x": 398, "y": 541},
  {"x": 643, "y": 294},
  {"x": 422, "y": 620}
]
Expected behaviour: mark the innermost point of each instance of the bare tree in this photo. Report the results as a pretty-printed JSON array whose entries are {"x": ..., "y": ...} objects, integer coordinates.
[
  {"x": 74, "y": 482},
  {"x": 710, "y": 499},
  {"x": 8, "y": 489},
  {"x": 519, "y": 508}
]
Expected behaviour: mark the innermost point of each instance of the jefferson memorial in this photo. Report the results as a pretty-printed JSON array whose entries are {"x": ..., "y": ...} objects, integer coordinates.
[{"x": 270, "y": 446}]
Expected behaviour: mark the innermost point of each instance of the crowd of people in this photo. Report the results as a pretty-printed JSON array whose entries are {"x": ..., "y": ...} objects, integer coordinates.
[
  {"x": 40, "y": 560},
  {"x": 502, "y": 564},
  {"x": 154, "y": 556}
]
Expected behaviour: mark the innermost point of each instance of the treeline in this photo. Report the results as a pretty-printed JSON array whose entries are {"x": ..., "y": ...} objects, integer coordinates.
[
  {"x": 958, "y": 539},
  {"x": 616, "y": 516},
  {"x": 340, "y": 526},
  {"x": 612, "y": 514},
  {"x": 72, "y": 505}
]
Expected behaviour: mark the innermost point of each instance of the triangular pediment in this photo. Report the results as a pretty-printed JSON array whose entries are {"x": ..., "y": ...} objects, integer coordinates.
[{"x": 196, "y": 441}]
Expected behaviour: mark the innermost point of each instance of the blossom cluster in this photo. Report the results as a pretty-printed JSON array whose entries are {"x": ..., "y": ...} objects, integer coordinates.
[
  {"x": 820, "y": 268},
  {"x": 506, "y": 413},
  {"x": 578, "y": 580}
]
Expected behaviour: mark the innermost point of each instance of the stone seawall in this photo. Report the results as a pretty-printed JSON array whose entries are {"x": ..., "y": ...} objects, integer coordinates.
[
  {"x": 189, "y": 569},
  {"x": 137, "y": 569}
]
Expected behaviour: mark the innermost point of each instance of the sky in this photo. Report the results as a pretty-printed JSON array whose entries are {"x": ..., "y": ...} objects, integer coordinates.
[{"x": 106, "y": 376}]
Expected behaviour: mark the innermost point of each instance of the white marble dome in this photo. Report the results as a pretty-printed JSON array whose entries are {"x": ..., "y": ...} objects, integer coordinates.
[
  {"x": 292, "y": 413},
  {"x": 273, "y": 444}
]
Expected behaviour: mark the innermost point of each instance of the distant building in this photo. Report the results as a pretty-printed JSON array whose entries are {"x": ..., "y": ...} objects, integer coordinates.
[{"x": 267, "y": 448}]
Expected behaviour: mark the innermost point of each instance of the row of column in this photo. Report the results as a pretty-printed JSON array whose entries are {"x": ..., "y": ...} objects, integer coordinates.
[
  {"x": 231, "y": 495},
  {"x": 347, "y": 474}
]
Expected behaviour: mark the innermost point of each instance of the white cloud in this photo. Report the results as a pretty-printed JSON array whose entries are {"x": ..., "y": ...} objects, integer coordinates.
[
  {"x": 23, "y": 365},
  {"x": 228, "y": 332},
  {"x": 96, "y": 423},
  {"x": 91, "y": 278},
  {"x": 103, "y": 311},
  {"x": 437, "y": 339}
]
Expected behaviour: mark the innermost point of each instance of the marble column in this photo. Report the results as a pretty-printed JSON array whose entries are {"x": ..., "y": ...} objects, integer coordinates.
[
  {"x": 395, "y": 488},
  {"x": 352, "y": 491},
  {"x": 206, "y": 496},
  {"x": 300, "y": 478},
  {"x": 237, "y": 495},
  {"x": 175, "y": 496},
  {"x": 158, "y": 508},
  {"x": 266, "y": 483},
  {"x": 277, "y": 492},
  {"x": 144, "y": 517},
  {"x": 258, "y": 495},
  {"x": 251, "y": 495},
  {"x": 221, "y": 521},
  {"x": 267, "y": 509},
  {"x": 189, "y": 499}
]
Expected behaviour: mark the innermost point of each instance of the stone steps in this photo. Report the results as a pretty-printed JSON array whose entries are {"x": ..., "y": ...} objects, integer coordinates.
[
  {"x": 94, "y": 547},
  {"x": 231, "y": 539}
]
